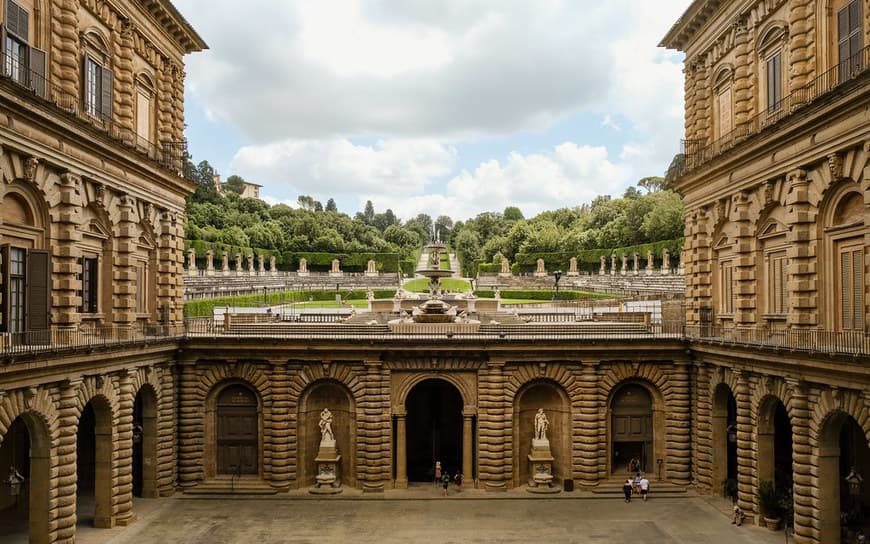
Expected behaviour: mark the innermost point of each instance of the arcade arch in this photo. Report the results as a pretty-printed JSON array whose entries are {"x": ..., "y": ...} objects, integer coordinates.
[
  {"x": 553, "y": 399},
  {"x": 335, "y": 396}
]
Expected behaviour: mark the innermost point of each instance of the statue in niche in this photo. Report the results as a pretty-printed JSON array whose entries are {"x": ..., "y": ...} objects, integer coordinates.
[
  {"x": 541, "y": 425},
  {"x": 326, "y": 426}
]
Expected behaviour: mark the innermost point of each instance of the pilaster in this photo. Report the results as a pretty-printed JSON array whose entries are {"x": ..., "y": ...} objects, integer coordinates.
[
  {"x": 744, "y": 269},
  {"x": 802, "y": 466},
  {"x": 801, "y": 44},
  {"x": 801, "y": 253},
  {"x": 745, "y": 465},
  {"x": 123, "y": 451},
  {"x": 66, "y": 266},
  {"x": 375, "y": 428},
  {"x": 124, "y": 274},
  {"x": 494, "y": 428},
  {"x": 68, "y": 416},
  {"x": 679, "y": 420},
  {"x": 586, "y": 436},
  {"x": 65, "y": 64},
  {"x": 276, "y": 444}
]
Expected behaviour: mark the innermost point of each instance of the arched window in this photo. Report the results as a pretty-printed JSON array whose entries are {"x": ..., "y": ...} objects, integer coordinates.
[
  {"x": 773, "y": 272},
  {"x": 848, "y": 247},
  {"x": 771, "y": 53},
  {"x": 97, "y": 78}
]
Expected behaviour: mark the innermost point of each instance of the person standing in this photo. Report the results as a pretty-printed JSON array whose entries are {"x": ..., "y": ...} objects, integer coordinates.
[
  {"x": 644, "y": 487},
  {"x": 445, "y": 482},
  {"x": 626, "y": 489},
  {"x": 437, "y": 472}
]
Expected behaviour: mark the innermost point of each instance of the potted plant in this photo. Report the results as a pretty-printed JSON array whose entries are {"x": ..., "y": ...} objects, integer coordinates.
[{"x": 769, "y": 505}]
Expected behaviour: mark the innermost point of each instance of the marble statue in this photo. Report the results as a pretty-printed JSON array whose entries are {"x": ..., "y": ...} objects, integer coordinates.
[
  {"x": 541, "y": 425},
  {"x": 326, "y": 426}
]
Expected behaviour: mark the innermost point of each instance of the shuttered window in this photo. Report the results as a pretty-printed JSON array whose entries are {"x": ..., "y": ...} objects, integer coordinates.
[
  {"x": 723, "y": 103},
  {"x": 17, "y": 21},
  {"x": 726, "y": 291},
  {"x": 778, "y": 292},
  {"x": 774, "y": 82},
  {"x": 97, "y": 90},
  {"x": 38, "y": 290},
  {"x": 16, "y": 53},
  {"x": 90, "y": 287},
  {"x": 851, "y": 288},
  {"x": 849, "y": 39}
]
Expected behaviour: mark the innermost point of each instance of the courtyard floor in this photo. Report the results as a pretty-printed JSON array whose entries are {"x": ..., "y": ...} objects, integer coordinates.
[{"x": 421, "y": 515}]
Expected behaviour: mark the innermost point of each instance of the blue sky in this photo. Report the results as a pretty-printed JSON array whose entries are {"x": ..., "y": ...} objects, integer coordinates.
[{"x": 441, "y": 107}]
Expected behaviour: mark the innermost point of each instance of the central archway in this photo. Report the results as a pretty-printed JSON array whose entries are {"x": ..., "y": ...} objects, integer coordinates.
[
  {"x": 434, "y": 429},
  {"x": 631, "y": 428}
]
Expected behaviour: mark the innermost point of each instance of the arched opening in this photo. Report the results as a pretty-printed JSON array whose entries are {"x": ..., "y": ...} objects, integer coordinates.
[
  {"x": 24, "y": 512},
  {"x": 145, "y": 444},
  {"x": 434, "y": 429},
  {"x": 844, "y": 499},
  {"x": 724, "y": 461},
  {"x": 631, "y": 428},
  {"x": 336, "y": 397},
  {"x": 94, "y": 465},
  {"x": 775, "y": 445},
  {"x": 237, "y": 439},
  {"x": 549, "y": 397}
]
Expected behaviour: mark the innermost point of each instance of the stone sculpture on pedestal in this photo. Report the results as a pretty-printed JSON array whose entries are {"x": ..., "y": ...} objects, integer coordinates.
[
  {"x": 303, "y": 267},
  {"x": 540, "y": 458},
  {"x": 328, "y": 479}
]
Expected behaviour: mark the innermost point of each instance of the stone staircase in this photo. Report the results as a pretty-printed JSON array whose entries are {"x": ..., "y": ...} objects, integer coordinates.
[
  {"x": 231, "y": 487},
  {"x": 612, "y": 489},
  {"x": 640, "y": 284}
]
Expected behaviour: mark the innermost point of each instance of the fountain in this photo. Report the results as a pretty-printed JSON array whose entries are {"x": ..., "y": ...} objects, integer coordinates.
[{"x": 436, "y": 309}]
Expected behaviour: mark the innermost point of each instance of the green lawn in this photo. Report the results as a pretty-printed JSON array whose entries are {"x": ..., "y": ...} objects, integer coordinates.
[
  {"x": 329, "y": 304},
  {"x": 421, "y": 285}
]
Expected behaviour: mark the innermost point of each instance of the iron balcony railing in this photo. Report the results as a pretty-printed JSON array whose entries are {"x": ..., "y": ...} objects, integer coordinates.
[
  {"x": 169, "y": 155},
  {"x": 57, "y": 339},
  {"x": 696, "y": 152},
  {"x": 60, "y": 340}
]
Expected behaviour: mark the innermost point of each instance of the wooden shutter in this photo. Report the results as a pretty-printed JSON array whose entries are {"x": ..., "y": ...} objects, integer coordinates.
[
  {"x": 4, "y": 289},
  {"x": 17, "y": 20},
  {"x": 38, "y": 317},
  {"x": 845, "y": 287},
  {"x": 37, "y": 75},
  {"x": 774, "y": 82},
  {"x": 106, "y": 93},
  {"x": 858, "y": 289}
]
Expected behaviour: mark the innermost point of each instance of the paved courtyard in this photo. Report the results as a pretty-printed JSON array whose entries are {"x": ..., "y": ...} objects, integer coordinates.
[{"x": 430, "y": 520}]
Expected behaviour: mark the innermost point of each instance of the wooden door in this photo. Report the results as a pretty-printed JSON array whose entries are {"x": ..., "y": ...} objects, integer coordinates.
[{"x": 237, "y": 431}]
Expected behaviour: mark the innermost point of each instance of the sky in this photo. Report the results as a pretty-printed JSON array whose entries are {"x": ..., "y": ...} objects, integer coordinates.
[{"x": 443, "y": 107}]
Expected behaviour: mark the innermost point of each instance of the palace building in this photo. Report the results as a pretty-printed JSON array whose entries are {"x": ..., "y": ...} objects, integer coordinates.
[{"x": 107, "y": 393}]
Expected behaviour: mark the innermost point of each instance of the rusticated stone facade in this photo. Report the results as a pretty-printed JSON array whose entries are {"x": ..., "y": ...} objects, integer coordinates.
[{"x": 778, "y": 243}]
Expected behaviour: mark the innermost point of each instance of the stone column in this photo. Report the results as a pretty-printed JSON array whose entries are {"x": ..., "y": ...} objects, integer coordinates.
[
  {"x": 165, "y": 123},
  {"x": 650, "y": 263},
  {"x": 666, "y": 261},
  {"x": 65, "y": 64},
  {"x": 801, "y": 252},
  {"x": 603, "y": 270},
  {"x": 225, "y": 263},
  {"x": 374, "y": 427},
  {"x": 613, "y": 264},
  {"x": 170, "y": 266},
  {"x": 703, "y": 103},
  {"x": 401, "y": 451},
  {"x": 178, "y": 76},
  {"x": 167, "y": 430},
  {"x": 66, "y": 253},
  {"x": 124, "y": 273},
  {"x": 272, "y": 268},
  {"x": 251, "y": 271},
  {"x": 801, "y": 44},
  {"x": 744, "y": 261},
  {"x": 745, "y": 465},
  {"x": 190, "y": 426},
  {"x": 68, "y": 419},
  {"x": 586, "y": 435},
  {"x": 261, "y": 261},
  {"x": 239, "y": 271},
  {"x": 124, "y": 85},
  {"x": 209, "y": 263},
  {"x": 493, "y": 428},
  {"x": 635, "y": 269},
  {"x": 690, "y": 66},
  {"x": 744, "y": 68},
  {"x": 467, "y": 445},
  {"x": 702, "y": 442},
  {"x": 191, "y": 262},
  {"x": 123, "y": 491},
  {"x": 679, "y": 439},
  {"x": 624, "y": 269},
  {"x": 277, "y": 444},
  {"x": 802, "y": 462}
]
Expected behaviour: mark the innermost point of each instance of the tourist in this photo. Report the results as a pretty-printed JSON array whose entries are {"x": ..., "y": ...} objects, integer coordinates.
[
  {"x": 737, "y": 516},
  {"x": 635, "y": 484},
  {"x": 437, "y": 472},
  {"x": 445, "y": 481},
  {"x": 626, "y": 489},
  {"x": 644, "y": 487},
  {"x": 457, "y": 479}
]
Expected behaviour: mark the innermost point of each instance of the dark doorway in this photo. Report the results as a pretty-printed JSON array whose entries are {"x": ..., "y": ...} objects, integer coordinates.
[
  {"x": 237, "y": 431},
  {"x": 15, "y": 452},
  {"x": 631, "y": 428},
  {"x": 137, "y": 446},
  {"x": 434, "y": 429}
]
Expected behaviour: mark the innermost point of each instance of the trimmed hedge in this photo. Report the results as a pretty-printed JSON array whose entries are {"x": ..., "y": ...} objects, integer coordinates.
[
  {"x": 200, "y": 308},
  {"x": 590, "y": 260},
  {"x": 541, "y": 294}
]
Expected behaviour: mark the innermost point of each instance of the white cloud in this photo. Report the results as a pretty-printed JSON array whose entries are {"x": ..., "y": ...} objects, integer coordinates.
[
  {"x": 567, "y": 176},
  {"x": 330, "y": 168}
]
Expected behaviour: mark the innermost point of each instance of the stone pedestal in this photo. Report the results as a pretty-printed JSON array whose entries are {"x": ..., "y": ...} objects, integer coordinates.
[
  {"x": 541, "y": 468},
  {"x": 328, "y": 479}
]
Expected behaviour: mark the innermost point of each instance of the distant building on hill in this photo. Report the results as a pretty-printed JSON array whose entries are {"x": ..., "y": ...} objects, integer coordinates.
[{"x": 249, "y": 190}]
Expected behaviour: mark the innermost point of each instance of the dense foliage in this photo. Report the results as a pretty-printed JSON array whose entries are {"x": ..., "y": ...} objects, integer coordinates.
[
  {"x": 646, "y": 218},
  {"x": 631, "y": 223}
]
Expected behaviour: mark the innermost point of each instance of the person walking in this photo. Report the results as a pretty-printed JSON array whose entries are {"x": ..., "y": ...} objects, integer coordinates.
[
  {"x": 626, "y": 489},
  {"x": 445, "y": 482},
  {"x": 437, "y": 472},
  {"x": 644, "y": 487}
]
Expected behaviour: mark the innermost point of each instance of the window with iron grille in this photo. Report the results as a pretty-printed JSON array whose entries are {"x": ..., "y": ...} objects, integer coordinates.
[{"x": 90, "y": 287}]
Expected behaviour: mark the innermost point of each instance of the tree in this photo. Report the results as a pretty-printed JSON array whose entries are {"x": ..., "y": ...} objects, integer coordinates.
[
  {"x": 330, "y": 206},
  {"x": 318, "y": 207},
  {"x": 443, "y": 225},
  {"x": 368, "y": 214},
  {"x": 512, "y": 213},
  {"x": 305, "y": 202},
  {"x": 235, "y": 184},
  {"x": 426, "y": 221},
  {"x": 653, "y": 184}
]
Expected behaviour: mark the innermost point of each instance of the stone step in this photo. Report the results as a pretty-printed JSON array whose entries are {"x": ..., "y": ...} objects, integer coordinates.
[
  {"x": 222, "y": 487},
  {"x": 661, "y": 489}
]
